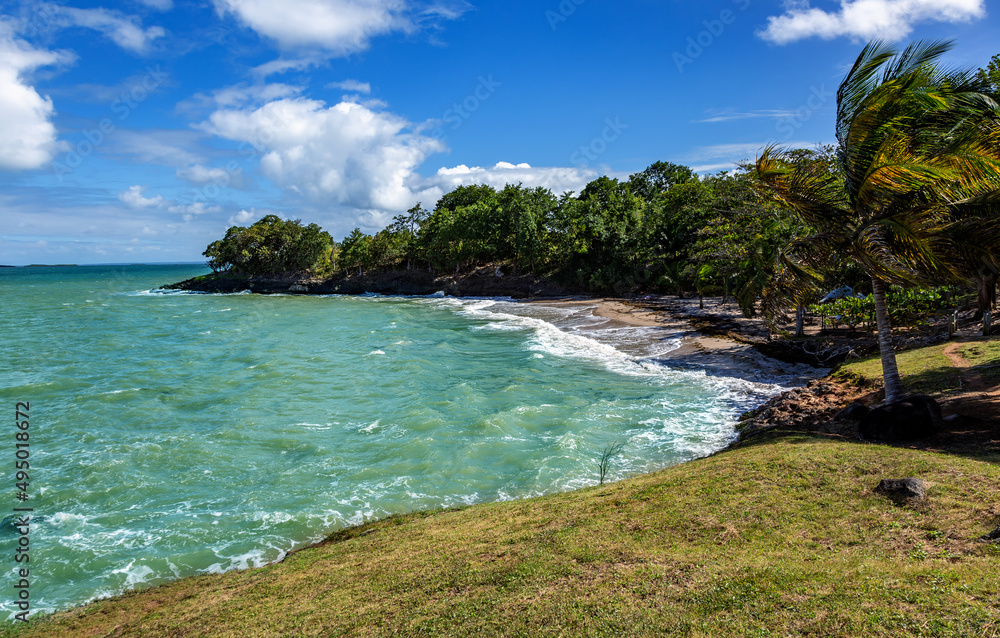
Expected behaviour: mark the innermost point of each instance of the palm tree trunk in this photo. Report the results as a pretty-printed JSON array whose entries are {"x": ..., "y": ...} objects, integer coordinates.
[
  {"x": 800, "y": 321},
  {"x": 986, "y": 288},
  {"x": 890, "y": 372}
]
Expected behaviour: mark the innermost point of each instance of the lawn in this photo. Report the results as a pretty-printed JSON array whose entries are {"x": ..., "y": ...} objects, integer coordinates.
[
  {"x": 924, "y": 371},
  {"x": 780, "y": 537},
  {"x": 984, "y": 356}
]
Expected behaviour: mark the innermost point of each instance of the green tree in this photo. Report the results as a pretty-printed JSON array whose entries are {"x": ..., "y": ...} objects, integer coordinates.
[
  {"x": 603, "y": 236},
  {"x": 742, "y": 239},
  {"x": 406, "y": 228},
  {"x": 918, "y": 157},
  {"x": 986, "y": 268},
  {"x": 658, "y": 178},
  {"x": 356, "y": 251},
  {"x": 990, "y": 75},
  {"x": 524, "y": 214},
  {"x": 272, "y": 247}
]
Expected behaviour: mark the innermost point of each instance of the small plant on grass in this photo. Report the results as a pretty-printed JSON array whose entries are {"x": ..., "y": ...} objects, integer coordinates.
[{"x": 609, "y": 452}]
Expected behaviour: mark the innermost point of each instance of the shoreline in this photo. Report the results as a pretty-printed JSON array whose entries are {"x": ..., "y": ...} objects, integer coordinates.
[{"x": 717, "y": 355}]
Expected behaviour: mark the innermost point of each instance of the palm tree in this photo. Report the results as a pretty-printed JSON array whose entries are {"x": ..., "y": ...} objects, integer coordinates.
[{"x": 916, "y": 184}]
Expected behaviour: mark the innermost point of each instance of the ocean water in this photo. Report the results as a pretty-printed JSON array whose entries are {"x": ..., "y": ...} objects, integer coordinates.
[{"x": 175, "y": 433}]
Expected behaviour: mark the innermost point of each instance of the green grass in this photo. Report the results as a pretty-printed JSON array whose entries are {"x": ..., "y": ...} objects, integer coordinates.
[
  {"x": 924, "y": 371},
  {"x": 780, "y": 537},
  {"x": 984, "y": 356}
]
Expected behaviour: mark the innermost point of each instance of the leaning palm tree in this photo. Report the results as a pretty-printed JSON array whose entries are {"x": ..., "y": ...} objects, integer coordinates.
[{"x": 915, "y": 190}]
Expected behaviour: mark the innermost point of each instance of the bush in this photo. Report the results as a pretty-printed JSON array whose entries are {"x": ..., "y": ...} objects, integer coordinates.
[{"x": 908, "y": 307}]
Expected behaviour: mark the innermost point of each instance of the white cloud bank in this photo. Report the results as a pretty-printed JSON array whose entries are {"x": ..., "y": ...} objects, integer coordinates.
[
  {"x": 27, "y": 135},
  {"x": 360, "y": 156},
  {"x": 348, "y": 153},
  {"x": 558, "y": 179},
  {"x": 867, "y": 19}
]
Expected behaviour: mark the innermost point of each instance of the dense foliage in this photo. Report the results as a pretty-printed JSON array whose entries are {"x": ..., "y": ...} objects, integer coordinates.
[
  {"x": 912, "y": 197},
  {"x": 906, "y": 306},
  {"x": 272, "y": 246},
  {"x": 664, "y": 229}
]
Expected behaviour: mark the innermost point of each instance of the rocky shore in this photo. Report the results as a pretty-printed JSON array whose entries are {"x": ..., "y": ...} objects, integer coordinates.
[
  {"x": 482, "y": 282},
  {"x": 710, "y": 324}
]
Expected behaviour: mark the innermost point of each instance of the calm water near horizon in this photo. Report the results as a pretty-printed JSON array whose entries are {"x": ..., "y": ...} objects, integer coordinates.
[{"x": 175, "y": 433}]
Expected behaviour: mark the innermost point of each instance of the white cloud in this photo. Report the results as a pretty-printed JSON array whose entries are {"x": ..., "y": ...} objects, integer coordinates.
[
  {"x": 197, "y": 208},
  {"x": 348, "y": 153},
  {"x": 125, "y": 31},
  {"x": 200, "y": 175},
  {"x": 359, "y": 156},
  {"x": 237, "y": 96},
  {"x": 731, "y": 116},
  {"x": 133, "y": 198},
  {"x": 164, "y": 147},
  {"x": 27, "y": 136},
  {"x": 242, "y": 94},
  {"x": 247, "y": 217},
  {"x": 189, "y": 211},
  {"x": 338, "y": 26},
  {"x": 282, "y": 65},
  {"x": 242, "y": 218},
  {"x": 867, "y": 19},
  {"x": 351, "y": 85},
  {"x": 718, "y": 157},
  {"x": 715, "y": 168},
  {"x": 557, "y": 179},
  {"x": 733, "y": 152}
]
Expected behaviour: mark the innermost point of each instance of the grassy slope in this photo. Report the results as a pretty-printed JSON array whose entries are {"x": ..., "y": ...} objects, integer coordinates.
[
  {"x": 924, "y": 370},
  {"x": 985, "y": 356},
  {"x": 780, "y": 537}
]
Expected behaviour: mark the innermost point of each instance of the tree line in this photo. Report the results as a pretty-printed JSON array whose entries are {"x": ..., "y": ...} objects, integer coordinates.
[{"x": 907, "y": 197}]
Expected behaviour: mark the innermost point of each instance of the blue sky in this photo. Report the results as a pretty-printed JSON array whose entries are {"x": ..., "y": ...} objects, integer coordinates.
[{"x": 139, "y": 131}]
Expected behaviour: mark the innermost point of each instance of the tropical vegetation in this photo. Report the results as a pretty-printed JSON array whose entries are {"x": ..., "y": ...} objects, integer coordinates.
[
  {"x": 907, "y": 197},
  {"x": 913, "y": 199},
  {"x": 272, "y": 246}
]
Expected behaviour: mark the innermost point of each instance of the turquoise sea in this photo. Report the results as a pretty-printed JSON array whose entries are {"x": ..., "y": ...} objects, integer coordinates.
[{"x": 174, "y": 433}]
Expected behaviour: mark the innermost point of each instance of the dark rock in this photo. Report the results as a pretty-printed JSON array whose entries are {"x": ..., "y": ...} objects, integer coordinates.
[
  {"x": 482, "y": 282},
  {"x": 992, "y": 536},
  {"x": 854, "y": 412},
  {"x": 902, "y": 489},
  {"x": 914, "y": 417}
]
